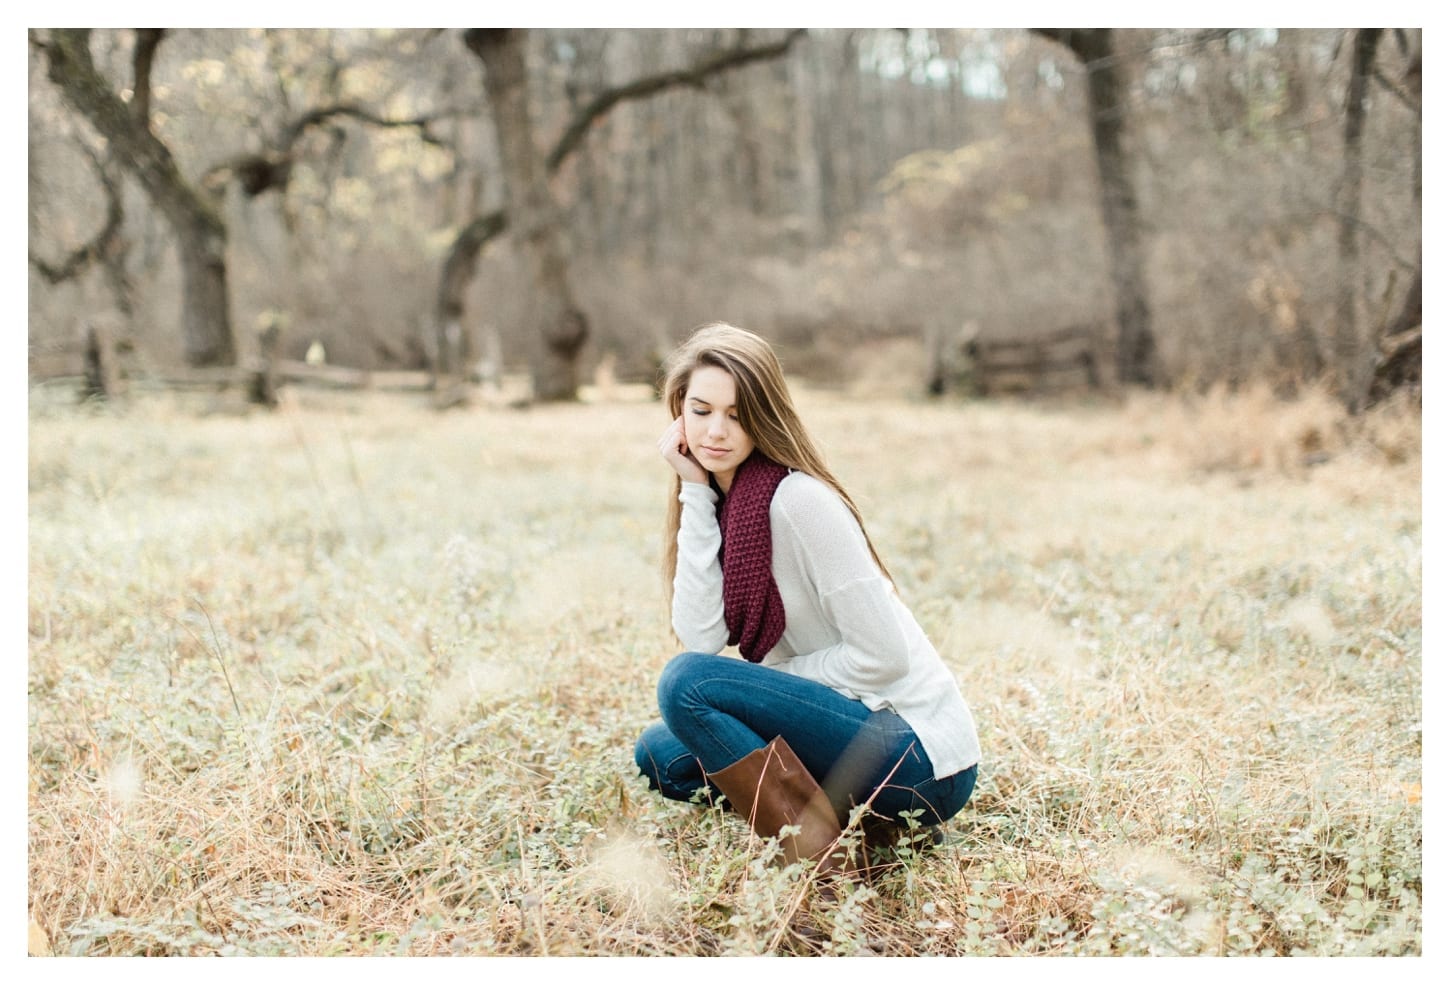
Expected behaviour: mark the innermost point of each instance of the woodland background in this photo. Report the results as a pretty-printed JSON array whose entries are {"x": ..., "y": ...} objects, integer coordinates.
[
  {"x": 561, "y": 200},
  {"x": 319, "y": 670}
]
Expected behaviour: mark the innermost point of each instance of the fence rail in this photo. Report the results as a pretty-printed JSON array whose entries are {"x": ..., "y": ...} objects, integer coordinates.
[
  {"x": 98, "y": 367},
  {"x": 1070, "y": 359}
]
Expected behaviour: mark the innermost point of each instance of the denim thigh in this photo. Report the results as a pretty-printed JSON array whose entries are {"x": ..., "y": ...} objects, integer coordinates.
[{"x": 724, "y": 708}]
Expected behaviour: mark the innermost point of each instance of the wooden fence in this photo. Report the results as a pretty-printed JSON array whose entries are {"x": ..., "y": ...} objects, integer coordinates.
[
  {"x": 1070, "y": 360},
  {"x": 99, "y": 367}
]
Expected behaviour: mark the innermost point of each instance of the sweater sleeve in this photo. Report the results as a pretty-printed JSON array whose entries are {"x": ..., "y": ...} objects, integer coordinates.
[
  {"x": 698, "y": 610},
  {"x": 856, "y": 597}
]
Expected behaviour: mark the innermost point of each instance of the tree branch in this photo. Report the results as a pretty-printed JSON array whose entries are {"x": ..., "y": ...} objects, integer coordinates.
[
  {"x": 148, "y": 39},
  {"x": 321, "y": 114},
  {"x": 1398, "y": 91},
  {"x": 80, "y": 259},
  {"x": 263, "y": 171},
  {"x": 695, "y": 76},
  {"x": 132, "y": 144},
  {"x": 462, "y": 258}
]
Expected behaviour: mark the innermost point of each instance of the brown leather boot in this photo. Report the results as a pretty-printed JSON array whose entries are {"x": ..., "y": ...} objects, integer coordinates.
[{"x": 770, "y": 788}]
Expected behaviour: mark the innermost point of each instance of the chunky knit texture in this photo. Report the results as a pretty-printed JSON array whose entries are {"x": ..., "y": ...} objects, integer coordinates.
[{"x": 753, "y": 610}]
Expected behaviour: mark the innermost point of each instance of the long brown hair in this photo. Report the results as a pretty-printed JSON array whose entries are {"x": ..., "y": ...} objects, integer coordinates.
[{"x": 766, "y": 413}]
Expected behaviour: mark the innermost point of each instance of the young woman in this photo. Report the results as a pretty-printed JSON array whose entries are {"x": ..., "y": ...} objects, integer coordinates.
[{"x": 840, "y": 699}]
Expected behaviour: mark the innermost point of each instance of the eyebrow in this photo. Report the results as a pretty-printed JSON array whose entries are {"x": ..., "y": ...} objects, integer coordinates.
[{"x": 707, "y": 403}]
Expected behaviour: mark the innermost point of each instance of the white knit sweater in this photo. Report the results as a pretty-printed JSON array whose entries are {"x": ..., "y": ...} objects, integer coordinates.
[{"x": 844, "y": 624}]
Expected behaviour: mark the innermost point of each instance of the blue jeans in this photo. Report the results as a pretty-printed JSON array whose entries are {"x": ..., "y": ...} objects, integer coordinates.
[{"x": 717, "y": 710}]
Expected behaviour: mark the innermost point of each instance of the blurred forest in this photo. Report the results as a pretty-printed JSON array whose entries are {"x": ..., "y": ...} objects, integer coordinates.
[{"x": 1216, "y": 206}]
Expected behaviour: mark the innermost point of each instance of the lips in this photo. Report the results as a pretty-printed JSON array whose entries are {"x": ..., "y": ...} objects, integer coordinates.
[{"x": 715, "y": 452}]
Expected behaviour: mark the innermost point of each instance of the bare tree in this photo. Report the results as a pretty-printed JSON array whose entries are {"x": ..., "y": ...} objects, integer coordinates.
[
  {"x": 770, "y": 196},
  {"x": 195, "y": 217},
  {"x": 194, "y": 212},
  {"x": 1348, "y": 351},
  {"x": 531, "y": 211},
  {"x": 1107, "y": 99}
]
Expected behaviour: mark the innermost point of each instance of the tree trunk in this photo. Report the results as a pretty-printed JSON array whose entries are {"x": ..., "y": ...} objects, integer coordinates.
[
  {"x": 201, "y": 234},
  {"x": 1107, "y": 101},
  {"x": 533, "y": 214},
  {"x": 263, "y": 388},
  {"x": 1399, "y": 357},
  {"x": 810, "y": 205},
  {"x": 205, "y": 307},
  {"x": 1349, "y": 354},
  {"x": 458, "y": 270},
  {"x": 102, "y": 374}
]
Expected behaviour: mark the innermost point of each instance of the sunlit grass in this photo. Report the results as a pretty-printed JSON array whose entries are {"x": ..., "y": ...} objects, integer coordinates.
[{"x": 357, "y": 677}]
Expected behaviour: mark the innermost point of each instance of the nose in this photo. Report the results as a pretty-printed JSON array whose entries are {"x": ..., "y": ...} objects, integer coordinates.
[{"x": 717, "y": 426}]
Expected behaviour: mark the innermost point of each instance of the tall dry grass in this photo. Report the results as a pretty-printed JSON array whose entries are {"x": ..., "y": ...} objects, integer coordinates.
[{"x": 359, "y": 678}]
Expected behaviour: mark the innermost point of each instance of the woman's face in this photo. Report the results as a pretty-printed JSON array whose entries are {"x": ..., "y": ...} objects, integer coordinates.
[{"x": 712, "y": 427}]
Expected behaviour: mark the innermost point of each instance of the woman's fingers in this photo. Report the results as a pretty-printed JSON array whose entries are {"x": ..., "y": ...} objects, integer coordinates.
[
  {"x": 672, "y": 440},
  {"x": 676, "y": 450}
]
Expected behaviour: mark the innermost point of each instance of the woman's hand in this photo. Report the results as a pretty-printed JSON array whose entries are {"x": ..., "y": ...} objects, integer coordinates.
[{"x": 676, "y": 451}]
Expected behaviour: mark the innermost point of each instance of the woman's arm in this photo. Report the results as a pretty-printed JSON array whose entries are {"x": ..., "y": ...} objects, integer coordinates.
[
  {"x": 855, "y": 596},
  {"x": 698, "y": 608},
  {"x": 698, "y": 611}
]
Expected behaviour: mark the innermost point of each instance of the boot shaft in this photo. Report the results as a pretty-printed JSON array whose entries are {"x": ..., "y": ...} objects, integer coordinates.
[{"x": 771, "y": 788}]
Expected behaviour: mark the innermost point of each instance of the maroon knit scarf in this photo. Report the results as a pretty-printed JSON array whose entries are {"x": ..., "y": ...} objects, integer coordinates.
[{"x": 754, "y": 613}]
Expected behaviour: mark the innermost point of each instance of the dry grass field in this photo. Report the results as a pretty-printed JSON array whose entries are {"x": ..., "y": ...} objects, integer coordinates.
[{"x": 361, "y": 678}]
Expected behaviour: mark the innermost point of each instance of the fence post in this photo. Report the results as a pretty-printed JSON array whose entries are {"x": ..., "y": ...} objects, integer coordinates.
[
  {"x": 263, "y": 388},
  {"x": 102, "y": 376}
]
